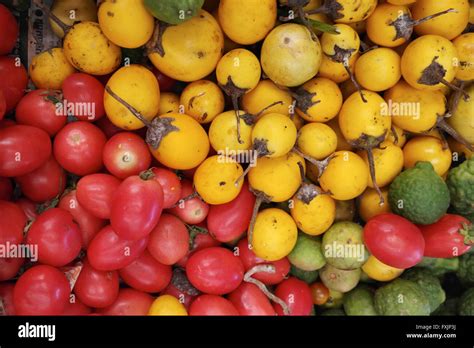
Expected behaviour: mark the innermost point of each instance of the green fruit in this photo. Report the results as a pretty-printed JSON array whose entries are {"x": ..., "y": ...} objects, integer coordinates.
[
  {"x": 339, "y": 279},
  {"x": 345, "y": 210},
  {"x": 343, "y": 245},
  {"x": 307, "y": 254},
  {"x": 401, "y": 297},
  {"x": 419, "y": 194},
  {"x": 430, "y": 285},
  {"x": 306, "y": 276},
  {"x": 335, "y": 300},
  {"x": 460, "y": 182},
  {"x": 439, "y": 267},
  {"x": 466, "y": 303},
  {"x": 360, "y": 301},
  {"x": 465, "y": 272},
  {"x": 333, "y": 312},
  {"x": 173, "y": 11}
]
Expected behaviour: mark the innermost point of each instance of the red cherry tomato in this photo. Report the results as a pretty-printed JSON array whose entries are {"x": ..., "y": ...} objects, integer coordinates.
[
  {"x": 108, "y": 252},
  {"x": 126, "y": 154},
  {"x": 108, "y": 127},
  {"x": 14, "y": 80},
  {"x": 57, "y": 236},
  {"x": 23, "y": 149},
  {"x": 9, "y": 267},
  {"x": 250, "y": 300},
  {"x": 296, "y": 294},
  {"x": 166, "y": 82},
  {"x": 394, "y": 240},
  {"x": 12, "y": 223},
  {"x": 95, "y": 192},
  {"x": 89, "y": 225},
  {"x": 146, "y": 274},
  {"x": 38, "y": 110},
  {"x": 215, "y": 271},
  {"x": 227, "y": 222},
  {"x": 78, "y": 148},
  {"x": 28, "y": 207},
  {"x": 320, "y": 293},
  {"x": 75, "y": 307},
  {"x": 169, "y": 240},
  {"x": 450, "y": 236},
  {"x": 170, "y": 184},
  {"x": 85, "y": 90},
  {"x": 249, "y": 260},
  {"x": 136, "y": 207},
  {"x": 3, "y": 105},
  {"x": 97, "y": 289},
  {"x": 6, "y": 189},
  {"x": 129, "y": 302},
  {"x": 6, "y": 296},
  {"x": 44, "y": 183},
  {"x": 212, "y": 305},
  {"x": 9, "y": 32},
  {"x": 191, "y": 211},
  {"x": 41, "y": 290}
]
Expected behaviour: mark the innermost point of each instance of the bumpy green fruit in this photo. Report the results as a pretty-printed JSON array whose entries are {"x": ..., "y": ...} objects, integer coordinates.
[
  {"x": 429, "y": 283},
  {"x": 360, "y": 301},
  {"x": 461, "y": 187},
  {"x": 173, "y": 11}
]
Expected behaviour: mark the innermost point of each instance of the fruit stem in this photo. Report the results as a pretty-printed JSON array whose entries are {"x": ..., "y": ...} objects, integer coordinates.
[
  {"x": 353, "y": 79},
  {"x": 64, "y": 27},
  {"x": 454, "y": 87},
  {"x": 308, "y": 25},
  {"x": 260, "y": 198},
  {"x": 427, "y": 18},
  {"x": 370, "y": 157},
  {"x": 155, "y": 44},
  {"x": 442, "y": 124},
  {"x": 267, "y": 269},
  {"x": 321, "y": 165},
  {"x": 130, "y": 108},
  {"x": 257, "y": 115}
]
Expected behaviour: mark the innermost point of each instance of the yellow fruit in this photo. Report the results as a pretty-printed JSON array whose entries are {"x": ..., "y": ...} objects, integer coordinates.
[
  {"x": 369, "y": 204},
  {"x": 202, "y": 100},
  {"x": 379, "y": 271},
  {"x": 167, "y": 305},
  {"x": 317, "y": 140},
  {"x": 50, "y": 68},
  {"x": 427, "y": 149}
]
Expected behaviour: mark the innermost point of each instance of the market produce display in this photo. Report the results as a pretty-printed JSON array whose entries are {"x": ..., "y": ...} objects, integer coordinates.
[{"x": 239, "y": 157}]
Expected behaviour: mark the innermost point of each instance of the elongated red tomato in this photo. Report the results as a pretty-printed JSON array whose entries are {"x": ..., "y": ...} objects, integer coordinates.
[
  {"x": 108, "y": 252},
  {"x": 29, "y": 208},
  {"x": 89, "y": 224},
  {"x": 450, "y": 236},
  {"x": 87, "y": 91},
  {"x": 41, "y": 290},
  {"x": 249, "y": 259},
  {"x": 23, "y": 149},
  {"x": 169, "y": 240},
  {"x": 6, "y": 296},
  {"x": 95, "y": 192},
  {"x": 191, "y": 211},
  {"x": 6, "y": 189},
  {"x": 44, "y": 183},
  {"x": 146, "y": 274},
  {"x": 129, "y": 302},
  {"x": 78, "y": 148},
  {"x": 170, "y": 184},
  {"x": 227, "y": 222},
  {"x": 3, "y": 105},
  {"x": 212, "y": 305},
  {"x": 250, "y": 300},
  {"x": 394, "y": 240},
  {"x": 12, "y": 223},
  {"x": 136, "y": 207},
  {"x": 9, "y": 31},
  {"x": 57, "y": 236},
  {"x": 75, "y": 307},
  {"x": 296, "y": 294},
  {"x": 14, "y": 80},
  {"x": 215, "y": 271},
  {"x": 97, "y": 289},
  {"x": 38, "y": 109}
]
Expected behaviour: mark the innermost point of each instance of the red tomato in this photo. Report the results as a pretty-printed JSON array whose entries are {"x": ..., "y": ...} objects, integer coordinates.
[
  {"x": 212, "y": 305},
  {"x": 108, "y": 127},
  {"x": 108, "y": 252},
  {"x": 249, "y": 259},
  {"x": 89, "y": 225},
  {"x": 215, "y": 271},
  {"x": 296, "y": 294},
  {"x": 12, "y": 223},
  {"x": 126, "y": 154},
  {"x": 28, "y": 207},
  {"x": 38, "y": 110},
  {"x": 450, "y": 236},
  {"x": 181, "y": 288},
  {"x": 97, "y": 289},
  {"x": 95, "y": 192},
  {"x": 6, "y": 297},
  {"x": 169, "y": 240},
  {"x": 146, "y": 274},
  {"x": 44, "y": 183},
  {"x": 320, "y": 293},
  {"x": 23, "y": 149},
  {"x": 227, "y": 222},
  {"x": 166, "y": 83},
  {"x": 41, "y": 290},
  {"x": 136, "y": 207},
  {"x": 78, "y": 148},
  {"x": 394, "y": 240},
  {"x": 75, "y": 308},
  {"x": 14, "y": 80},
  {"x": 6, "y": 189},
  {"x": 85, "y": 90},
  {"x": 9, "y": 267},
  {"x": 191, "y": 211},
  {"x": 250, "y": 300},
  {"x": 198, "y": 241},
  {"x": 129, "y": 302},
  {"x": 6, "y": 123},
  {"x": 57, "y": 236},
  {"x": 3, "y": 105},
  {"x": 9, "y": 32},
  {"x": 170, "y": 184}
]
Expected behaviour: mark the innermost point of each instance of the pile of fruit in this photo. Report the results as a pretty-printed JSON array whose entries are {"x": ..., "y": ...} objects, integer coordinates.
[{"x": 253, "y": 157}]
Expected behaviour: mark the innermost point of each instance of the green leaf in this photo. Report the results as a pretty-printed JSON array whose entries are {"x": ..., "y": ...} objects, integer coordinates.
[{"x": 324, "y": 27}]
